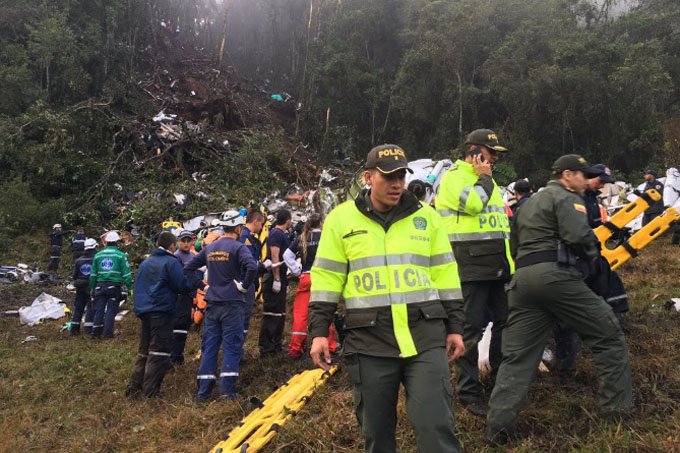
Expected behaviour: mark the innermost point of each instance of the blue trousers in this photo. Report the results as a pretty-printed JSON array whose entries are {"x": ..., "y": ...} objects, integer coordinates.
[
  {"x": 248, "y": 310},
  {"x": 106, "y": 298},
  {"x": 82, "y": 300},
  {"x": 223, "y": 324}
]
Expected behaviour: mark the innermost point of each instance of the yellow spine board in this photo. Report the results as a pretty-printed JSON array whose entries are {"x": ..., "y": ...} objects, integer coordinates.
[
  {"x": 626, "y": 215},
  {"x": 642, "y": 238},
  {"x": 262, "y": 424}
]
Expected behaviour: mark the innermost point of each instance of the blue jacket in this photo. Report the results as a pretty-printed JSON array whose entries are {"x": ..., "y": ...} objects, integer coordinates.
[
  {"x": 227, "y": 260},
  {"x": 82, "y": 268},
  {"x": 159, "y": 279}
]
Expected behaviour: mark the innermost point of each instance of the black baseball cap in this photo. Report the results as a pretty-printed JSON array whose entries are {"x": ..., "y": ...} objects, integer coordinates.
[
  {"x": 485, "y": 137},
  {"x": 522, "y": 186},
  {"x": 574, "y": 162},
  {"x": 605, "y": 173},
  {"x": 387, "y": 159},
  {"x": 650, "y": 172}
]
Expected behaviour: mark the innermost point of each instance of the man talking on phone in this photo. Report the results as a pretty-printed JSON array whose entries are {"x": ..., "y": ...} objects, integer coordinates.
[{"x": 475, "y": 219}]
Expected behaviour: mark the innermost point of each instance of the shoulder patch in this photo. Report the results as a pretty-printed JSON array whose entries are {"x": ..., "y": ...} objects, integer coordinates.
[
  {"x": 580, "y": 208},
  {"x": 420, "y": 223}
]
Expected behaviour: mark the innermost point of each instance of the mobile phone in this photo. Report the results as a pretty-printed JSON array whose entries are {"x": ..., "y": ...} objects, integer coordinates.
[{"x": 478, "y": 152}]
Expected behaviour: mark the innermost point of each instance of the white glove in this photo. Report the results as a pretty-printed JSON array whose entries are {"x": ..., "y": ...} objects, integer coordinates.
[
  {"x": 267, "y": 264},
  {"x": 240, "y": 287},
  {"x": 276, "y": 286}
]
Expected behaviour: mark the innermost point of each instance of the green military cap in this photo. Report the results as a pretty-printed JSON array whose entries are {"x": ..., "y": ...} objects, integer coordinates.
[
  {"x": 387, "y": 159},
  {"x": 574, "y": 162},
  {"x": 484, "y": 137}
]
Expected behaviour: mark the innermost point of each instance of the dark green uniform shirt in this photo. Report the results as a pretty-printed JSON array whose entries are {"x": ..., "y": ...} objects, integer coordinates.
[{"x": 552, "y": 215}]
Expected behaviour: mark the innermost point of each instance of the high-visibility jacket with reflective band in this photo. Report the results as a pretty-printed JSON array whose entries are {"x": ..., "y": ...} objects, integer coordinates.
[
  {"x": 477, "y": 223},
  {"x": 395, "y": 283}
]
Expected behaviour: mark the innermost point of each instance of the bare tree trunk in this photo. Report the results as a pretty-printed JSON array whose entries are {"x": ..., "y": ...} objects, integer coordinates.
[
  {"x": 460, "y": 104},
  {"x": 328, "y": 129},
  {"x": 303, "y": 87},
  {"x": 223, "y": 41}
]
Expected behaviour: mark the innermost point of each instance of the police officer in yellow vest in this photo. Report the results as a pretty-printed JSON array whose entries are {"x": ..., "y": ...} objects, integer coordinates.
[
  {"x": 388, "y": 256},
  {"x": 478, "y": 227}
]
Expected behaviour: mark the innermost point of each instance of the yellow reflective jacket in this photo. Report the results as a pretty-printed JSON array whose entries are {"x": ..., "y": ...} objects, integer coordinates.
[
  {"x": 398, "y": 279},
  {"x": 476, "y": 222}
]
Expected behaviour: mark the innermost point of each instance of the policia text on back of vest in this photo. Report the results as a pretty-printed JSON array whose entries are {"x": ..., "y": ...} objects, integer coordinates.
[{"x": 630, "y": 248}]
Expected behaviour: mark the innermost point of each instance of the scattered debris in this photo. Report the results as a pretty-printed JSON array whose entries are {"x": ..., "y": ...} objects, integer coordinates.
[
  {"x": 121, "y": 314},
  {"x": 673, "y": 303},
  {"x": 43, "y": 307},
  {"x": 29, "y": 339}
]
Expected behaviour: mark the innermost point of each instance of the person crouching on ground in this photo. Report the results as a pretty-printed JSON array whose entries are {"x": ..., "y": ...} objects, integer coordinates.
[
  {"x": 159, "y": 281},
  {"x": 232, "y": 270}
]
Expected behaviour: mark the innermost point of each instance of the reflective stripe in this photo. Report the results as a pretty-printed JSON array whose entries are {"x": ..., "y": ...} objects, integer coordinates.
[
  {"x": 385, "y": 300},
  {"x": 142, "y": 355},
  {"x": 229, "y": 374},
  {"x": 269, "y": 313},
  {"x": 450, "y": 294},
  {"x": 389, "y": 260},
  {"x": 185, "y": 332},
  {"x": 161, "y": 354},
  {"x": 325, "y": 296},
  {"x": 482, "y": 194},
  {"x": 443, "y": 258},
  {"x": 75, "y": 322},
  {"x": 330, "y": 265},
  {"x": 622, "y": 296},
  {"x": 299, "y": 333},
  {"x": 482, "y": 236},
  {"x": 446, "y": 212},
  {"x": 486, "y": 210},
  {"x": 206, "y": 376},
  {"x": 402, "y": 333},
  {"x": 462, "y": 200},
  {"x": 88, "y": 324}
]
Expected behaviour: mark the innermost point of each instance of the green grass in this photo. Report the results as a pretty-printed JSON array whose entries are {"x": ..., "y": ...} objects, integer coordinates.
[{"x": 66, "y": 394}]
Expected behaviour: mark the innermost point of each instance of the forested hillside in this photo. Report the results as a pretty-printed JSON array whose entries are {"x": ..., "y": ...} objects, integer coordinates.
[{"x": 82, "y": 81}]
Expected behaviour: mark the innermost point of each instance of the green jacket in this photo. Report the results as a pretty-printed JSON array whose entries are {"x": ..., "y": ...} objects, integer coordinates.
[
  {"x": 396, "y": 274},
  {"x": 552, "y": 215},
  {"x": 110, "y": 265},
  {"x": 477, "y": 224}
]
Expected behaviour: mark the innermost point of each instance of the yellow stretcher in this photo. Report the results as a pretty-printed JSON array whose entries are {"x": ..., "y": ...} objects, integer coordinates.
[
  {"x": 262, "y": 424},
  {"x": 630, "y": 248}
]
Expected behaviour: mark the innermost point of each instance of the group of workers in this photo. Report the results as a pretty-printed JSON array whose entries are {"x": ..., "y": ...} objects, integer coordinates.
[{"x": 419, "y": 284}]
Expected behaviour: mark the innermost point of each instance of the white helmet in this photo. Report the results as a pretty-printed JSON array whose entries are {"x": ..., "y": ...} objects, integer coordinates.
[
  {"x": 90, "y": 244},
  {"x": 112, "y": 236},
  {"x": 232, "y": 218},
  {"x": 56, "y": 225}
]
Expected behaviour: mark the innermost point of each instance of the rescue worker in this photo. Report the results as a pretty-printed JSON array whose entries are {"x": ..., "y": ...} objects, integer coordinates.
[
  {"x": 304, "y": 247},
  {"x": 56, "y": 241},
  {"x": 476, "y": 221},
  {"x": 254, "y": 222},
  {"x": 78, "y": 244},
  {"x": 656, "y": 208},
  {"x": 601, "y": 280},
  {"x": 275, "y": 286},
  {"x": 160, "y": 279},
  {"x": 81, "y": 280},
  {"x": 228, "y": 261},
  {"x": 551, "y": 238},
  {"x": 523, "y": 192},
  {"x": 388, "y": 256},
  {"x": 110, "y": 280},
  {"x": 185, "y": 301}
]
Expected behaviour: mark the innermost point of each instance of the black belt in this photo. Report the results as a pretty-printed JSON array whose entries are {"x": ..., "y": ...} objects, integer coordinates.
[{"x": 545, "y": 256}]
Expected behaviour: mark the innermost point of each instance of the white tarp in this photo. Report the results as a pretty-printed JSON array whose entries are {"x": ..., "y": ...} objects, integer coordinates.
[{"x": 43, "y": 307}]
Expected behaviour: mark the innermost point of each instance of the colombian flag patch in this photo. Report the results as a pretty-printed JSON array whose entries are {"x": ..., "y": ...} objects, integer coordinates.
[{"x": 580, "y": 208}]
